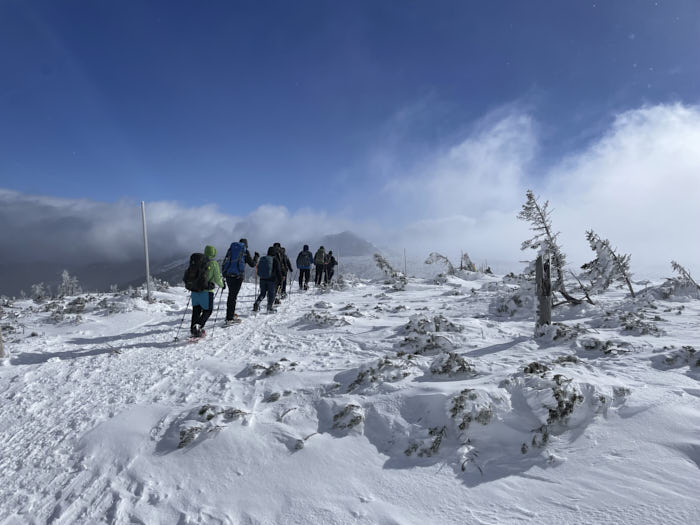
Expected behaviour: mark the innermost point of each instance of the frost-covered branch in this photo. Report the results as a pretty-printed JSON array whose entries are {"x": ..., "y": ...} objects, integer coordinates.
[
  {"x": 608, "y": 266},
  {"x": 386, "y": 267},
  {"x": 684, "y": 274},
  {"x": 435, "y": 257}
]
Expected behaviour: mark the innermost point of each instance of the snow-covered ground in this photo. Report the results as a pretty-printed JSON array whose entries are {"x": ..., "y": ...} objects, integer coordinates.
[{"x": 434, "y": 404}]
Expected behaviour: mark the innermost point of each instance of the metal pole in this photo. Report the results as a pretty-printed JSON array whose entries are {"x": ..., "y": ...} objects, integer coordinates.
[
  {"x": 2, "y": 350},
  {"x": 145, "y": 247},
  {"x": 405, "y": 271}
]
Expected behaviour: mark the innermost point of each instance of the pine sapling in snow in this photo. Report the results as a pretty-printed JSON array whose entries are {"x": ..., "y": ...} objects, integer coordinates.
[
  {"x": 545, "y": 241},
  {"x": 466, "y": 263},
  {"x": 435, "y": 257},
  {"x": 69, "y": 285},
  {"x": 608, "y": 266},
  {"x": 684, "y": 274}
]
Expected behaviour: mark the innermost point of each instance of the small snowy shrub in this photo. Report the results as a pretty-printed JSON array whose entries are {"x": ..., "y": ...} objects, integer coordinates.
[
  {"x": 424, "y": 334},
  {"x": 469, "y": 406},
  {"x": 453, "y": 365},
  {"x": 685, "y": 356},
  {"x": 208, "y": 418},
  {"x": 349, "y": 417},
  {"x": 558, "y": 332},
  {"x": 315, "y": 319},
  {"x": 430, "y": 445},
  {"x": 510, "y": 303},
  {"x": 384, "y": 370}
]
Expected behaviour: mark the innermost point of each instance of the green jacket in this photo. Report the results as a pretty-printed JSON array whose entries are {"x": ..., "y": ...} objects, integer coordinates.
[{"x": 213, "y": 270}]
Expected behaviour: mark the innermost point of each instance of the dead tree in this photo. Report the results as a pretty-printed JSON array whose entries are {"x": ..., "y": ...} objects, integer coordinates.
[
  {"x": 545, "y": 242},
  {"x": 544, "y": 292}
]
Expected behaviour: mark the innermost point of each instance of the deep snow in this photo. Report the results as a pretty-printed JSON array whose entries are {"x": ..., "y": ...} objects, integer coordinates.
[{"x": 434, "y": 404}]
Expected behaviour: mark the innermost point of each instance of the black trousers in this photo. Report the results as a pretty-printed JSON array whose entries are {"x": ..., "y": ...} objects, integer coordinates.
[
  {"x": 329, "y": 274},
  {"x": 234, "y": 286},
  {"x": 304, "y": 276},
  {"x": 200, "y": 315},
  {"x": 319, "y": 273}
]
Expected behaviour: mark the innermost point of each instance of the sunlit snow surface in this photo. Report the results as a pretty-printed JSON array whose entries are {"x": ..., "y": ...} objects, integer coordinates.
[{"x": 434, "y": 404}]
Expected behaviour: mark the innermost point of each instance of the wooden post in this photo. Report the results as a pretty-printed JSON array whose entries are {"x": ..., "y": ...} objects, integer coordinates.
[
  {"x": 544, "y": 292},
  {"x": 2, "y": 350}
]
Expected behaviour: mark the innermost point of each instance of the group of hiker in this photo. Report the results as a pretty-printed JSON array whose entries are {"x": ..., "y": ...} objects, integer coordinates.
[{"x": 203, "y": 275}]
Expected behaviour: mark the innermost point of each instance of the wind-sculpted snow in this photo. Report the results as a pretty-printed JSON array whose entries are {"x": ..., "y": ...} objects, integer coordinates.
[{"x": 426, "y": 403}]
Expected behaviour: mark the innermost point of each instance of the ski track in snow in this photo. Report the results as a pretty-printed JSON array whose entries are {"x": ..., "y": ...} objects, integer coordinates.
[{"x": 90, "y": 414}]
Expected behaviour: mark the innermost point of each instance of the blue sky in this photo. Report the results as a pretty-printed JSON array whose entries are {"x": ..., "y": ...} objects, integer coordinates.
[
  {"x": 290, "y": 103},
  {"x": 417, "y": 125}
]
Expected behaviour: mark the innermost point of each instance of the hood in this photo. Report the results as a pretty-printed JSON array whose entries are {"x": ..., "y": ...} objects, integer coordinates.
[
  {"x": 271, "y": 250},
  {"x": 306, "y": 247},
  {"x": 210, "y": 251}
]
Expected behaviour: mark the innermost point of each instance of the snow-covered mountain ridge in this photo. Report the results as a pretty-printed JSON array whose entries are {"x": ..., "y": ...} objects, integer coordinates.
[{"x": 360, "y": 404}]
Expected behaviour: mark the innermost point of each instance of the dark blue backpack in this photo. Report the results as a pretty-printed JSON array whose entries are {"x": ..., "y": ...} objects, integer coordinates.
[
  {"x": 265, "y": 266},
  {"x": 234, "y": 262}
]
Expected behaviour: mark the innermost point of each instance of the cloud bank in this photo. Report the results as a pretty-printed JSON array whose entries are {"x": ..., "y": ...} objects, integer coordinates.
[{"x": 638, "y": 185}]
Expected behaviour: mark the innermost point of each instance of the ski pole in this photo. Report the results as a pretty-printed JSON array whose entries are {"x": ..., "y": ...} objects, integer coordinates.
[
  {"x": 218, "y": 305},
  {"x": 183, "y": 318}
]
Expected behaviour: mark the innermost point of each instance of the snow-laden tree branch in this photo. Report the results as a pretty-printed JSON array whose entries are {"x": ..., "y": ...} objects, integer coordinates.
[
  {"x": 608, "y": 266},
  {"x": 684, "y": 274},
  {"x": 435, "y": 257}
]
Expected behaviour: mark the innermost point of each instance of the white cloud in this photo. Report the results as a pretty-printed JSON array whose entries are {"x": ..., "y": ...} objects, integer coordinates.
[
  {"x": 71, "y": 231},
  {"x": 638, "y": 185}
]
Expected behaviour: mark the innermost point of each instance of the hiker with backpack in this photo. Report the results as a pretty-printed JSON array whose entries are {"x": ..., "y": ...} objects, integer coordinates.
[
  {"x": 233, "y": 269},
  {"x": 201, "y": 278},
  {"x": 320, "y": 263},
  {"x": 286, "y": 268},
  {"x": 304, "y": 261},
  {"x": 277, "y": 248},
  {"x": 270, "y": 275},
  {"x": 330, "y": 264}
]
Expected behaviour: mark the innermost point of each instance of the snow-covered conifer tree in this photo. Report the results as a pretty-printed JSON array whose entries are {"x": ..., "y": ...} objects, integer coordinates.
[
  {"x": 607, "y": 267},
  {"x": 684, "y": 274},
  {"x": 467, "y": 263},
  {"x": 40, "y": 292},
  {"x": 545, "y": 241},
  {"x": 69, "y": 285},
  {"x": 435, "y": 257}
]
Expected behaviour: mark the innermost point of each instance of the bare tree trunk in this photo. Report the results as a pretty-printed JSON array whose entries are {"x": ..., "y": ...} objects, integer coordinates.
[{"x": 544, "y": 292}]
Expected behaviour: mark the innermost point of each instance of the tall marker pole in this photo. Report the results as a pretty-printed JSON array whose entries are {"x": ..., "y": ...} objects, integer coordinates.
[
  {"x": 145, "y": 247},
  {"x": 405, "y": 271}
]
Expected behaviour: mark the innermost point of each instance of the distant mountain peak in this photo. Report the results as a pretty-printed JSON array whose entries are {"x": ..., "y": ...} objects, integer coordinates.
[{"x": 348, "y": 244}]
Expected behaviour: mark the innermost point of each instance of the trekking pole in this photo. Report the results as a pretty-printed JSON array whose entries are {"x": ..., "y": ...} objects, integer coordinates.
[
  {"x": 255, "y": 297},
  {"x": 216, "y": 315},
  {"x": 183, "y": 318}
]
